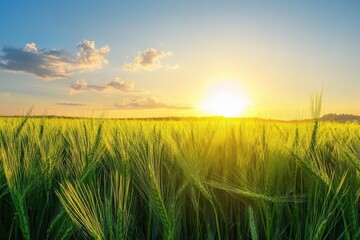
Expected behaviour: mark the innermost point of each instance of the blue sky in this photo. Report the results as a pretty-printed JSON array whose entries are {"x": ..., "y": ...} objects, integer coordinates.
[{"x": 279, "y": 52}]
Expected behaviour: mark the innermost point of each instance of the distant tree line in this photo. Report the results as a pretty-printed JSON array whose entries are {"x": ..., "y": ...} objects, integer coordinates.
[{"x": 340, "y": 117}]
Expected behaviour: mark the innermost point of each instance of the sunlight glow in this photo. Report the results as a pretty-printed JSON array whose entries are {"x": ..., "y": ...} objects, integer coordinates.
[{"x": 225, "y": 99}]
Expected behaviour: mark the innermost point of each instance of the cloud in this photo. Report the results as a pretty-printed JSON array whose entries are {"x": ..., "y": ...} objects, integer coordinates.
[
  {"x": 82, "y": 85},
  {"x": 30, "y": 47},
  {"x": 72, "y": 104},
  {"x": 112, "y": 86},
  {"x": 149, "y": 60},
  {"x": 146, "y": 103},
  {"x": 53, "y": 64},
  {"x": 121, "y": 85},
  {"x": 89, "y": 57}
]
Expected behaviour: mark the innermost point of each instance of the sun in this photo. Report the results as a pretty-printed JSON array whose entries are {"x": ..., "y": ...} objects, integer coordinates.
[
  {"x": 225, "y": 104},
  {"x": 225, "y": 99}
]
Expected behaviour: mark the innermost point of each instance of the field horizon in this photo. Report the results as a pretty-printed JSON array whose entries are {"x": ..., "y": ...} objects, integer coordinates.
[{"x": 342, "y": 117}]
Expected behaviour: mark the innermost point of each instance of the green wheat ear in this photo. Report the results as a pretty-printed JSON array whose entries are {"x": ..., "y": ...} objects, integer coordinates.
[
  {"x": 315, "y": 110},
  {"x": 159, "y": 205},
  {"x": 321, "y": 229},
  {"x": 252, "y": 225}
]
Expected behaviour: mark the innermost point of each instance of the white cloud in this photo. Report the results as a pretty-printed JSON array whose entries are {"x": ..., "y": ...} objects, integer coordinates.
[
  {"x": 149, "y": 60},
  {"x": 53, "y": 64},
  {"x": 116, "y": 85},
  {"x": 89, "y": 56},
  {"x": 147, "y": 103},
  {"x": 30, "y": 47},
  {"x": 121, "y": 85}
]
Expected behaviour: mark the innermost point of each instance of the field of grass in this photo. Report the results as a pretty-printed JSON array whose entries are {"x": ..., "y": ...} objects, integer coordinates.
[{"x": 186, "y": 179}]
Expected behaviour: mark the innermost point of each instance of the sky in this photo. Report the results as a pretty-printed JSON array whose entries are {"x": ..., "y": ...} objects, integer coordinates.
[{"x": 176, "y": 58}]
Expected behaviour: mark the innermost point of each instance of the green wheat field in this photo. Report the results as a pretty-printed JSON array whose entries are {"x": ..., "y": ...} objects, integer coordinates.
[{"x": 215, "y": 178}]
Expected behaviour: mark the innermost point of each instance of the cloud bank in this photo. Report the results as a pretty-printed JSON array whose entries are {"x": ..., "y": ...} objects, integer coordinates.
[
  {"x": 53, "y": 64},
  {"x": 146, "y": 103},
  {"x": 149, "y": 60},
  {"x": 112, "y": 86},
  {"x": 72, "y": 104}
]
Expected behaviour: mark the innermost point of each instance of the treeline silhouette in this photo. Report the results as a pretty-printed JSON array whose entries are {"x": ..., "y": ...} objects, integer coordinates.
[{"x": 341, "y": 117}]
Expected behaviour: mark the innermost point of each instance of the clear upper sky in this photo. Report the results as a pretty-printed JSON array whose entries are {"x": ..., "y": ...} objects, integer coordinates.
[{"x": 163, "y": 58}]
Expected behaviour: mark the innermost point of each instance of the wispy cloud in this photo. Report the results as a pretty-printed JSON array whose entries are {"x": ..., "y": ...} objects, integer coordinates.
[
  {"x": 53, "y": 64},
  {"x": 147, "y": 103},
  {"x": 116, "y": 85},
  {"x": 149, "y": 60},
  {"x": 72, "y": 104}
]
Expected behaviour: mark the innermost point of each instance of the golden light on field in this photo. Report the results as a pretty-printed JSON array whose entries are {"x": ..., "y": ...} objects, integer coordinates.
[{"x": 225, "y": 99}]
